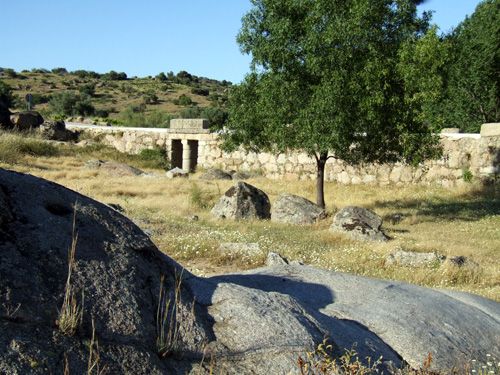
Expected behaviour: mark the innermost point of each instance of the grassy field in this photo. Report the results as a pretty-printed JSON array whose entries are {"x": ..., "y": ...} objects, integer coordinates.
[{"x": 463, "y": 221}]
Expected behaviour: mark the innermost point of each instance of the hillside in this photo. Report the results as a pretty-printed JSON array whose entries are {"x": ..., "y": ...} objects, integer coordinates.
[{"x": 115, "y": 98}]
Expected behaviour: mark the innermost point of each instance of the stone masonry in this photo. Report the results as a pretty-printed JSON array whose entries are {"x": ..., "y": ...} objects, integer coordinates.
[{"x": 190, "y": 144}]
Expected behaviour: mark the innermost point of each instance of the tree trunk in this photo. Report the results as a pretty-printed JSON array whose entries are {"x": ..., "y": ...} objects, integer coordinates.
[{"x": 320, "y": 178}]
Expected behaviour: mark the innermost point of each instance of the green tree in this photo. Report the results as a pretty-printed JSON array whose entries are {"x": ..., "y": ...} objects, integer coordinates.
[
  {"x": 6, "y": 97},
  {"x": 68, "y": 103},
  {"x": 325, "y": 80},
  {"x": 473, "y": 89}
]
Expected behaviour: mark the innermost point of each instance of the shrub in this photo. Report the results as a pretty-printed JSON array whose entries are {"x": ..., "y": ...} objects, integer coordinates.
[
  {"x": 6, "y": 97},
  {"x": 467, "y": 175},
  {"x": 155, "y": 158},
  {"x": 200, "y": 91},
  {"x": 87, "y": 89},
  {"x": 161, "y": 77},
  {"x": 115, "y": 76},
  {"x": 150, "y": 97},
  {"x": 68, "y": 104},
  {"x": 60, "y": 71},
  {"x": 86, "y": 74},
  {"x": 183, "y": 100}
]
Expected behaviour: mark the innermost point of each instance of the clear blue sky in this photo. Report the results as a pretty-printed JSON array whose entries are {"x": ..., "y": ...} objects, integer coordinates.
[{"x": 144, "y": 37}]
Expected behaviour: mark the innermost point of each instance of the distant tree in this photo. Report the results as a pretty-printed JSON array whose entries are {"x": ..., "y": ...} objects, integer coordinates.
[
  {"x": 60, "y": 71},
  {"x": 473, "y": 84},
  {"x": 115, "y": 76},
  {"x": 161, "y": 77},
  {"x": 200, "y": 91},
  {"x": 150, "y": 97},
  {"x": 6, "y": 97},
  {"x": 40, "y": 70},
  {"x": 11, "y": 73},
  {"x": 325, "y": 80},
  {"x": 86, "y": 74}
]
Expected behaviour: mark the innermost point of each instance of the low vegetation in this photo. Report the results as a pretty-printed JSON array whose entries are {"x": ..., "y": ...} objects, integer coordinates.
[
  {"x": 453, "y": 222},
  {"x": 115, "y": 98}
]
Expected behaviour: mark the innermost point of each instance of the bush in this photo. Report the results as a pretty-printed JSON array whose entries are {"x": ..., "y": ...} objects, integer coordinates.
[
  {"x": 132, "y": 116},
  {"x": 216, "y": 116},
  {"x": 86, "y": 74},
  {"x": 11, "y": 73},
  {"x": 6, "y": 97},
  {"x": 183, "y": 100},
  {"x": 87, "y": 89},
  {"x": 200, "y": 91},
  {"x": 150, "y": 97},
  {"x": 115, "y": 76},
  {"x": 155, "y": 158},
  {"x": 60, "y": 71},
  {"x": 69, "y": 104}
]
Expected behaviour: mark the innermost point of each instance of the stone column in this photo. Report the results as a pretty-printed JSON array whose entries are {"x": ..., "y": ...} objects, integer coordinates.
[{"x": 186, "y": 155}]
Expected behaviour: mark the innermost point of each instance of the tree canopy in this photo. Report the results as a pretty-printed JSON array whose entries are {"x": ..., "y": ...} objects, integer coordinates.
[
  {"x": 328, "y": 78},
  {"x": 472, "y": 94}
]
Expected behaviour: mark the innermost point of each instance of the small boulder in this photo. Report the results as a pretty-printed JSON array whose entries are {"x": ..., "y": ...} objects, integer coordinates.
[
  {"x": 293, "y": 209},
  {"x": 359, "y": 223},
  {"x": 215, "y": 174},
  {"x": 413, "y": 259},
  {"x": 240, "y": 175},
  {"x": 114, "y": 168},
  {"x": 243, "y": 201},
  {"x": 26, "y": 120},
  {"x": 177, "y": 172},
  {"x": 56, "y": 131},
  {"x": 275, "y": 259}
]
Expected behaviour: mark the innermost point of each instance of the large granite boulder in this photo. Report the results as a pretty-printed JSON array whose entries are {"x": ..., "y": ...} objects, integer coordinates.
[
  {"x": 359, "y": 223},
  {"x": 5, "y": 122},
  {"x": 114, "y": 168},
  {"x": 257, "y": 322},
  {"x": 56, "y": 131},
  {"x": 26, "y": 120},
  {"x": 293, "y": 209},
  {"x": 243, "y": 201}
]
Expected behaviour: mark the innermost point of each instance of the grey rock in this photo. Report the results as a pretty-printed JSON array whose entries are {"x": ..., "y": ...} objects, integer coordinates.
[
  {"x": 113, "y": 168},
  {"x": 242, "y": 248},
  {"x": 26, "y": 120},
  {"x": 275, "y": 259},
  {"x": 243, "y": 201},
  {"x": 293, "y": 209},
  {"x": 215, "y": 174},
  {"x": 56, "y": 131},
  {"x": 414, "y": 259},
  {"x": 359, "y": 223},
  {"x": 394, "y": 319},
  {"x": 236, "y": 175},
  {"x": 116, "y": 266},
  {"x": 177, "y": 172}
]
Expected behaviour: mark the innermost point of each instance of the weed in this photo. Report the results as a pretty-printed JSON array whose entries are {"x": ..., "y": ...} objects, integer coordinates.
[
  {"x": 155, "y": 158},
  {"x": 71, "y": 313},
  {"x": 467, "y": 175},
  {"x": 200, "y": 198},
  {"x": 167, "y": 322},
  {"x": 93, "y": 366},
  {"x": 322, "y": 361}
]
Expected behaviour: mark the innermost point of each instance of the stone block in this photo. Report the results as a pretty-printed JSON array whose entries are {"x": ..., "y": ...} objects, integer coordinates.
[
  {"x": 188, "y": 123},
  {"x": 490, "y": 130},
  {"x": 450, "y": 130}
]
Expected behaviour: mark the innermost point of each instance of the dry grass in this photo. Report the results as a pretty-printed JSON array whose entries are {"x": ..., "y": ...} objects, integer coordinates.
[
  {"x": 463, "y": 221},
  {"x": 71, "y": 313}
]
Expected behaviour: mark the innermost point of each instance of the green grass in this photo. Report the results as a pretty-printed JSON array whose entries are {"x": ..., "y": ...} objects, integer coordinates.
[{"x": 14, "y": 147}]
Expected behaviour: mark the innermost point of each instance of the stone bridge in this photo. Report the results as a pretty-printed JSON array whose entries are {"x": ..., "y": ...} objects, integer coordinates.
[{"x": 190, "y": 144}]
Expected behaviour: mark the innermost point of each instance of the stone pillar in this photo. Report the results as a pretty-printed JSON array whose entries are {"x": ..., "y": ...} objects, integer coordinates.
[{"x": 186, "y": 155}]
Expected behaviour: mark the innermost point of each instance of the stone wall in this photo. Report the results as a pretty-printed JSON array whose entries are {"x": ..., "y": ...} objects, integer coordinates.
[{"x": 464, "y": 155}]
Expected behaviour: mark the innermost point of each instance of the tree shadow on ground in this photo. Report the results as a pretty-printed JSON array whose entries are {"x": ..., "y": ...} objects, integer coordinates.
[{"x": 472, "y": 206}]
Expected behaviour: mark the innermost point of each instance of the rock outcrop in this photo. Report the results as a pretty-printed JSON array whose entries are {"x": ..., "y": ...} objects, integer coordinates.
[
  {"x": 243, "y": 201},
  {"x": 215, "y": 174},
  {"x": 56, "y": 131},
  {"x": 293, "y": 209},
  {"x": 114, "y": 168},
  {"x": 256, "y": 322},
  {"x": 359, "y": 223},
  {"x": 26, "y": 120}
]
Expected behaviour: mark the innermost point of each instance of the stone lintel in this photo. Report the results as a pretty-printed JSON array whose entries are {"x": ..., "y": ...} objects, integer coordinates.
[
  {"x": 490, "y": 130},
  {"x": 188, "y": 123}
]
